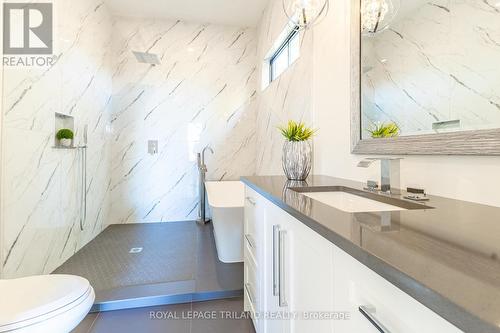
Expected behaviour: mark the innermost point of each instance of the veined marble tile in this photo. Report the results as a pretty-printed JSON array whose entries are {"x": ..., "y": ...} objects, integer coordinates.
[
  {"x": 202, "y": 93},
  {"x": 32, "y": 180},
  {"x": 289, "y": 97},
  {"x": 41, "y": 185}
]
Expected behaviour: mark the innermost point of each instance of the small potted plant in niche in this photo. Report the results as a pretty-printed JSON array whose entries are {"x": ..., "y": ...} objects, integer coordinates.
[
  {"x": 65, "y": 137},
  {"x": 383, "y": 130},
  {"x": 297, "y": 150}
]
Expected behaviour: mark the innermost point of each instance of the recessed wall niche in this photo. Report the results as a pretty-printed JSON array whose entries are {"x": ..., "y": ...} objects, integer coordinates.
[{"x": 62, "y": 121}]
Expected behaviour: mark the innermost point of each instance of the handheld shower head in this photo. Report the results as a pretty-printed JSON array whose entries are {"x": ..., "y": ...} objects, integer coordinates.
[{"x": 85, "y": 134}]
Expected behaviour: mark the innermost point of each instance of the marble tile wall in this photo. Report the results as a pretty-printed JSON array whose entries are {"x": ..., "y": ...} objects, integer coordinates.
[
  {"x": 41, "y": 185},
  {"x": 203, "y": 93},
  {"x": 436, "y": 62},
  {"x": 288, "y": 97}
]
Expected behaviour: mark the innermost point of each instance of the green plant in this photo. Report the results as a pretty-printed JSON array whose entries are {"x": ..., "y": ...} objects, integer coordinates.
[
  {"x": 296, "y": 131},
  {"x": 64, "y": 133},
  {"x": 383, "y": 130}
]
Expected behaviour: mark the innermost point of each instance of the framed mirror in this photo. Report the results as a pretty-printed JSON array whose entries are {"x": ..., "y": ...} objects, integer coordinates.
[{"x": 425, "y": 77}]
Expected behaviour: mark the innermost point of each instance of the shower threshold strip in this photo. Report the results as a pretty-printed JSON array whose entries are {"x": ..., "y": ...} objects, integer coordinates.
[{"x": 157, "y": 294}]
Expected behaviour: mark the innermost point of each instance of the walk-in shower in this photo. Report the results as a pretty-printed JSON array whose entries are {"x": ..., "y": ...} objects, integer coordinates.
[{"x": 81, "y": 208}]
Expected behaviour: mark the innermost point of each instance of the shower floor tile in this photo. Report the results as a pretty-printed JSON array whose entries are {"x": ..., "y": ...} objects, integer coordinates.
[{"x": 129, "y": 261}]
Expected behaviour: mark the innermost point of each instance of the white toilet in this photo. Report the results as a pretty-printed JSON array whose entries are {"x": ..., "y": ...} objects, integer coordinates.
[{"x": 45, "y": 303}]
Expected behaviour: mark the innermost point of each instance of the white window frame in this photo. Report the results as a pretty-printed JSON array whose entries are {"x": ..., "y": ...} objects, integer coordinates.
[
  {"x": 285, "y": 47},
  {"x": 282, "y": 43}
]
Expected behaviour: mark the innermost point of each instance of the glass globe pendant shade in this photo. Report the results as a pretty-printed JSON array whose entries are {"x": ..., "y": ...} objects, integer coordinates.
[
  {"x": 376, "y": 15},
  {"x": 304, "y": 13}
]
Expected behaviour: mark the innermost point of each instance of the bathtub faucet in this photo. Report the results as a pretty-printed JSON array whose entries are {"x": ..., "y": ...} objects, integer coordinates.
[
  {"x": 201, "y": 158},
  {"x": 202, "y": 168}
]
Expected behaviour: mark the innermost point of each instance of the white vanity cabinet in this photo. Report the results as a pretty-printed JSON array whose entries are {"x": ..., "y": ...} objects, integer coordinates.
[
  {"x": 295, "y": 280},
  {"x": 305, "y": 287},
  {"x": 295, "y": 273},
  {"x": 253, "y": 249},
  {"x": 357, "y": 286}
]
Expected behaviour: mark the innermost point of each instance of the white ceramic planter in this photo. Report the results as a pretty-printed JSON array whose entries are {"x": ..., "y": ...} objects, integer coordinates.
[{"x": 66, "y": 142}]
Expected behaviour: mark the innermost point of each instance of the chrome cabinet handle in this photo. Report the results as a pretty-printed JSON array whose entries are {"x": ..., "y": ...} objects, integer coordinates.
[
  {"x": 276, "y": 229},
  {"x": 250, "y": 296},
  {"x": 282, "y": 281},
  {"x": 250, "y": 200},
  {"x": 368, "y": 313},
  {"x": 250, "y": 241}
]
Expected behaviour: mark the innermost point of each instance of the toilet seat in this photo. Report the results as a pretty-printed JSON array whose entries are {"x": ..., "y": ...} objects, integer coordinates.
[{"x": 47, "y": 303}]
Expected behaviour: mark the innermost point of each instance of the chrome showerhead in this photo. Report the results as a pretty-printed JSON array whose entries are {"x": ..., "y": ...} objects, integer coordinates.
[
  {"x": 147, "y": 58},
  {"x": 85, "y": 134}
]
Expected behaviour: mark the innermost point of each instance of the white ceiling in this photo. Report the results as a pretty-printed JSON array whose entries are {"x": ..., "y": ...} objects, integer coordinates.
[{"x": 245, "y": 13}]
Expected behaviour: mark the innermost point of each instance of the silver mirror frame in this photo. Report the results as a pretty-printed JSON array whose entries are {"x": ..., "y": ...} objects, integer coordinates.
[{"x": 473, "y": 142}]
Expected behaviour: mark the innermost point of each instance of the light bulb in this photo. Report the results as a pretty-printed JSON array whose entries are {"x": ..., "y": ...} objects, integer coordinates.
[
  {"x": 376, "y": 15},
  {"x": 303, "y": 13}
]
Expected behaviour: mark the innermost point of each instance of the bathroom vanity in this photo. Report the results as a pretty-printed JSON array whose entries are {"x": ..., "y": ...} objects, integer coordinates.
[{"x": 316, "y": 262}]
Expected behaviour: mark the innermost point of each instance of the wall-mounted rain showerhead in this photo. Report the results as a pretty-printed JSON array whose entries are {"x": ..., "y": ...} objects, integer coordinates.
[{"x": 147, "y": 58}]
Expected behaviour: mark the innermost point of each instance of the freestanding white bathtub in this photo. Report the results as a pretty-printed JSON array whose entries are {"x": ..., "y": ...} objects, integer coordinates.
[{"x": 226, "y": 201}]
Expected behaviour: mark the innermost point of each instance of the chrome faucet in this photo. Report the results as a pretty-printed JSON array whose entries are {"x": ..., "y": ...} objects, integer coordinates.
[
  {"x": 202, "y": 168},
  {"x": 201, "y": 159},
  {"x": 390, "y": 173}
]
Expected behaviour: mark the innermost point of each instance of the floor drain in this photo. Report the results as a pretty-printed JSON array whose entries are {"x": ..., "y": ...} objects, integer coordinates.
[{"x": 135, "y": 250}]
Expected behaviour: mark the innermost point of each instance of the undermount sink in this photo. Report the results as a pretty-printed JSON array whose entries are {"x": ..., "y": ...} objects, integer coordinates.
[{"x": 351, "y": 203}]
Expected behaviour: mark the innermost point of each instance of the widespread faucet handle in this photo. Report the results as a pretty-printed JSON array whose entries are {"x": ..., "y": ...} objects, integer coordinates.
[
  {"x": 389, "y": 172},
  {"x": 365, "y": 163}
]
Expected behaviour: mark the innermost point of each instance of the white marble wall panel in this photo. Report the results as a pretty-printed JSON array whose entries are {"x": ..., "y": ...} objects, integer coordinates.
[
  {"x": 287, "y": 98},
  {"x": 41, "y": 185},
  {"x": 202, "y": 93},
  {"x": 437, "y": 63}
]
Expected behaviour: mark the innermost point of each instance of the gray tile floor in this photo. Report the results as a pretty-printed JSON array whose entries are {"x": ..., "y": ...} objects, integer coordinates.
[
  {"x": 177, "y": 318},
  {"x": 177, "y": 257}
]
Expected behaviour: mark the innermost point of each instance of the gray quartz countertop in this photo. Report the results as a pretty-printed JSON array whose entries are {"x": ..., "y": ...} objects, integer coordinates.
[{"x": 445, "y": 253}]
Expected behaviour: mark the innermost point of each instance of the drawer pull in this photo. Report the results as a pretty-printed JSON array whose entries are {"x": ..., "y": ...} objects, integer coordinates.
[
  {"x": 250, "y": 241},
  {"x": 276, "y": 229},
  {"x": 249, "y": 293},
  {"x": 250, "y": 200},
  {"x": 282, "y": 287},
  {"x": 368, "y": 313}
]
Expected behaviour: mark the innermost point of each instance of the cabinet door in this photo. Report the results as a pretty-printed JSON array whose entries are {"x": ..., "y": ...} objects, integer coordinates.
[
  {"x": 308, "y": 279},
  {"x": 254, "y": 224},
  {"x": 275, "y": 313},
  {"x": 357, "y": 286}
]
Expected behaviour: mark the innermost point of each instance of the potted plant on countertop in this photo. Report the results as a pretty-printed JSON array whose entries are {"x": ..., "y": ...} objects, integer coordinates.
[
  {"x": 65, "y": 137},
  {"x": 297, "y": 150}
]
